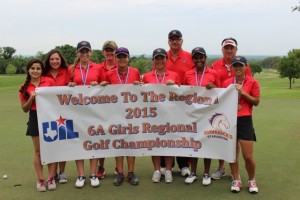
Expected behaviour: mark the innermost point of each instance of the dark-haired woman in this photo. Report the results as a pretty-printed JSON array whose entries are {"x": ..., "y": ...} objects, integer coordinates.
[
  {"x": 249, "y": 96},
  {"x": 27, "y": 95},
  {"x": 203, "y": 76},
  {"x": 161, "y": 75},
  {"x": 56, "y": 68}
]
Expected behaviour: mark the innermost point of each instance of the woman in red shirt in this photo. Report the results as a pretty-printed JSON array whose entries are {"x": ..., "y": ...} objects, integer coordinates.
[
  {"x": 56, "y": 68},
  {"x": 161, "y": 75},
  {"x": 85, "y": 72},
  {"x": 249, "y": 96},
  {"x": 27, "y": 95},
  {"x": 206, "y": 77},
  {"x": 123, "y": 74},
  {"x": 108, "y": 50}
]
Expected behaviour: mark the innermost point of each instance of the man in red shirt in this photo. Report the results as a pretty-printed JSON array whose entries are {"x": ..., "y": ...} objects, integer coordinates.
[
  {"x": 179, "y": 61},
  {"x": 224, "y": 68}
]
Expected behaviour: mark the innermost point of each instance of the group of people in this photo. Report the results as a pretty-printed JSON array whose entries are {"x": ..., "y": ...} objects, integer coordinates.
[{"x": 175, "y": 66}]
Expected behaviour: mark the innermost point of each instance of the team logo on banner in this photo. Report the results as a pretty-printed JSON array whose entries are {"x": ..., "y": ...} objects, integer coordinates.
[
  {"x": 219, "y": 121},
  {"x": 60, "y": 129},
  {"x": 220, "y": 124}
]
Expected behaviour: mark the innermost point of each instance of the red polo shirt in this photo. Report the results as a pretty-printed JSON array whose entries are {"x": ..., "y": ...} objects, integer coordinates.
[
  {"x": 112, "y": 76},
  {"x": 89, "y": 74},
  {"x": 62, "y": 78},
  {"x": 182, "y": 64},
  {"x": 44, "y": 82},
  {"x": 150, "y": 77},
  {"x": 104, "y": 70},
  {"x": 210, "y": 76},
  {"x": 225, "y": 74},
  {"x": 251, "y": 87}
]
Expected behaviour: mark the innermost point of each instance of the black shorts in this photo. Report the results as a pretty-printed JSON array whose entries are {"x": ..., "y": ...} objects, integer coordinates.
[
  {"x": 32, "y": 124},
  {"x": 245, "y": 129}
]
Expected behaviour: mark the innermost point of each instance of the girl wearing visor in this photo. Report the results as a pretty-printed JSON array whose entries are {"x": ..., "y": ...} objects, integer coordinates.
[{"x": 160, "y": 75}]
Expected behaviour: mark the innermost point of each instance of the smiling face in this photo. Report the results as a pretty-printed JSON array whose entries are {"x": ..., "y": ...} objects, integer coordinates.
[
  {"x": 239, "y": 69},
  {"x": 122, "y": 61},
  {"x": 175, "y": 43},
  {"x": 229, "y": 52},
  {"x": 199, "y": 60},
  {"x": 35, "y": 70},
  {"x": 160, "y": 62},
  {"x": 84, "y": 54},
  {"x": 109, "y": 53},
  {"x": 55, "y": 61}
]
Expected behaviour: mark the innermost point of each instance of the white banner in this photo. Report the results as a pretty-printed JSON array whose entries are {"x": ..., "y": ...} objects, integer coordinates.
[{"x": 86, "y": 122}]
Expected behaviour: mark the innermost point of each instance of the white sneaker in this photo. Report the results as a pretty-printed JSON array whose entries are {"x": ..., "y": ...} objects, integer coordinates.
[
  {"x": 206, "y": 179},
  {"x": 162, "y": 171},
  {"x": 41, "y": 186},
  {"x": 191, "y": 178},
  {"x": 156, "y": 176},
  {"x": 168, "y": 176},
  {"x": 185, "y": 171},
  {"x": 51, "y": 184},
  {"x": 80, "y": 181},
  {"x": 94, "y": 181},
  {"x": 236, "y": 186},
  {"x": 252, "y": 187}
]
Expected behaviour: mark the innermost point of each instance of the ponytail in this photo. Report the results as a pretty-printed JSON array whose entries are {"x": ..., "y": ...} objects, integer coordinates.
[
  {"x": 23, "y": 88},
  {"x": 77, "y": 60}
]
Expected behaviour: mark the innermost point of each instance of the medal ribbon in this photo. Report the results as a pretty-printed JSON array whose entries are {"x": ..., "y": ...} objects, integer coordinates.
[
  {"x": 202, "y": 76},
  {"x": 120, "y": 77},
  {"x": 158, "y": 79},
  {"x": 83, "y": 79}
]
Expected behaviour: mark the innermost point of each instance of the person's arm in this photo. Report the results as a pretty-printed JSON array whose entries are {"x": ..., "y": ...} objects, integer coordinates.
[
  {"x": 250, "y": 99},
  {"x": 27, "y": 104}
]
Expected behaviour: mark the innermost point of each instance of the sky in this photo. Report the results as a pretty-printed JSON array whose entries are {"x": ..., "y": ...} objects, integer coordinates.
[{"x": 261, "y": 27}]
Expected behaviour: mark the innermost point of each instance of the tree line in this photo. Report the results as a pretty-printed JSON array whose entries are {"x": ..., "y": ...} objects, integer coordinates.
[{"x": 287, "y": 66}]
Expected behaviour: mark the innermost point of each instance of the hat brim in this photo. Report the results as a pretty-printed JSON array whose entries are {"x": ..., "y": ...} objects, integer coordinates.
[
  {"x": 242, "y": 63},
  {"x": 201, "y": 53},
  {"x": 175, "y": 35},
  {"x": 84, "y": 48},
  {"x": 159, "y": 54},
  {"x": 109, "y": 47},
  {"x": 122, "y": 53},
  {"x": 234, "y": 45}
]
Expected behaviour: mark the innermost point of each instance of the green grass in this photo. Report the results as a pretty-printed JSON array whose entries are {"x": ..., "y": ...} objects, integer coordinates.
[
  {"x": 274, "y": 87},
  {"x": 277, "y": 152}
]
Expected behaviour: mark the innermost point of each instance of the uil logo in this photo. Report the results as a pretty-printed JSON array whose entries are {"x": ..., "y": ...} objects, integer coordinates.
[
  {"x": 61, "y": 129},
  {"x": 219, "y": 121}
]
